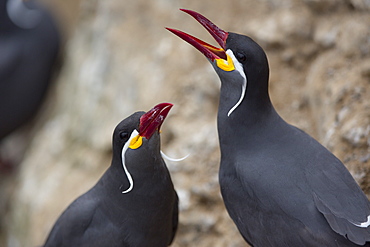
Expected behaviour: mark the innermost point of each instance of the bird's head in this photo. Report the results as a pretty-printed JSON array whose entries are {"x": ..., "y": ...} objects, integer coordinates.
[
  {"x": 21, "y": 14},
  {"x": 240, "y": 63},
  {"x": 136, "y": 138},
  {"x": 140, "y": 127}
]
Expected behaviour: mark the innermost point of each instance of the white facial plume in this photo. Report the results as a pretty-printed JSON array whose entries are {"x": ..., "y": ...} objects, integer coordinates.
[{"x": 238, "y": 67}]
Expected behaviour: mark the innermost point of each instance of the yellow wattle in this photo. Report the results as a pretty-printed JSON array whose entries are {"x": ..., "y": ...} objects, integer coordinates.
[
  {"x": 136, "y": 142},
  {"x": 225, "y": 65}
]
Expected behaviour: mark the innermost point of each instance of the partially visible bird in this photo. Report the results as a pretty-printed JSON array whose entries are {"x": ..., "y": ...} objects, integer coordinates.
[
  {"x": 134, "y": 204},
  {"x": 29, "y": 44},
  {"x": 280, "y": 186}
]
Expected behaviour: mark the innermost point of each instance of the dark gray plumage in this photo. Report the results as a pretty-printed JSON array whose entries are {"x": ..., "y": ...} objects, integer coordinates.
[
  {"x": 29, "y": 44},
  {"x": 280, "y": 186},
  {"x": 105, "y": 216}
]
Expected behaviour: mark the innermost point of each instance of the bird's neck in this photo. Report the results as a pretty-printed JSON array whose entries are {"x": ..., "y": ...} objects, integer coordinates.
[
  {"x": 140, "y": 171},
  {"x": 255, "y": 106},
  {"x": 246, "y": 123}
]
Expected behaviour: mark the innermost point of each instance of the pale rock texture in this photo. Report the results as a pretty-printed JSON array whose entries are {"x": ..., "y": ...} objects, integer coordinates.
[{"x": 120, "y": 59}]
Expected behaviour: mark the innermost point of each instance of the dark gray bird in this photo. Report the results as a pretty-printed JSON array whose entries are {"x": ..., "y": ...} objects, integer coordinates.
[
  {"x": 29, "y": 44},
  {"x": 134, "y": 203},
  {"x": 280, "y": 186}
]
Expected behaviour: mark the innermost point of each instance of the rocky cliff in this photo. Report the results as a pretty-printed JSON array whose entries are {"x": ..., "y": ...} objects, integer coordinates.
[{"x": 120, "y": 59}]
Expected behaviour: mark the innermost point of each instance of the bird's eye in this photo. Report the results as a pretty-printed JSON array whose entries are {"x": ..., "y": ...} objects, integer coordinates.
[
  {"x": 240, "y": 56},
  {"x": 123, "y": 135}
]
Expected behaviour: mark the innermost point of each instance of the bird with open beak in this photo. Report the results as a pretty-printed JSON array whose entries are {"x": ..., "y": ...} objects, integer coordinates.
[{"x": 280, "y": 186}]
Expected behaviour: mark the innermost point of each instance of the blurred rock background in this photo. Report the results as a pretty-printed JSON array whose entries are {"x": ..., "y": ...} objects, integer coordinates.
[{"x": 118, "y": 58}]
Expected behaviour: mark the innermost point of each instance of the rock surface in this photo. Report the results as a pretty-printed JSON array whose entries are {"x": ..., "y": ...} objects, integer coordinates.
[{"x": 120, "y": 59}]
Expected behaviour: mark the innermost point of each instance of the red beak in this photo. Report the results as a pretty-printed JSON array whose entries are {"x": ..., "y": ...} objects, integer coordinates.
[
  {"x": 153, "y": 119},
  {"x": 210, "y": 51}
]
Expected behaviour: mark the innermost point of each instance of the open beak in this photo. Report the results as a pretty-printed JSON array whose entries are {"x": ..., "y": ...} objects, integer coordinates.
[
  {"x": 210, "y": 51},
  {"x": 153, "y": 119}
]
